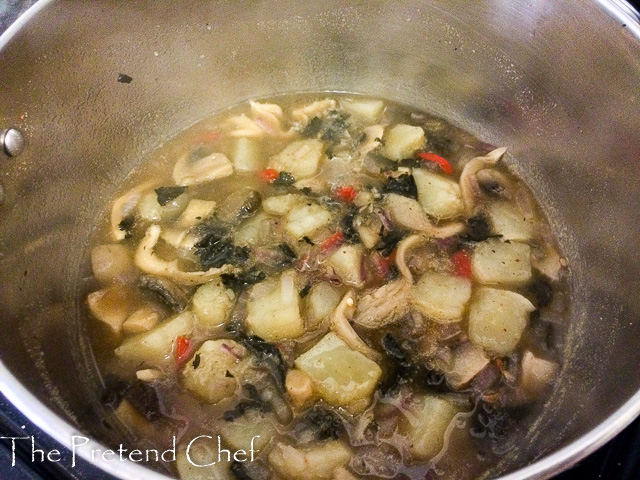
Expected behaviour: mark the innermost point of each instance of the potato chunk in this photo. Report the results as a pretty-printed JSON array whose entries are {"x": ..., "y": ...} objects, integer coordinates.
[
  {"x": 112, "y": 262},
  {"x": 300, "y": 158},
  {"x": 402, "y": 141},
  {"x": 253, "y": 429},
  {"x": 202, "y": 461},
  {"x": 281, "y": 204},
  {"x": 368, "y": 110},
  {"x": 111, "y": 306},
  {"x": 425, "y": 425},
  {"x": 309, "y": 463},
  {"x": 441, "y": 297},
  {"x": 439, "y": 196},
  {"x": 155, "y": 346},
  {"x": 273, "y": 309},
  {"x": 212, "y": 303},
  {"x": 246, "y": 155},
  {"x": 499, "y": 263},
  {"x": 303, "y": 220},
  {"x": 497, "y": 319},
  {"x": 507, "y": 220},
  {"x": 346, "y": 263},
  {"x": 340, "y": 375},
  {"x": 208, "y": 378},
  {"x": 322, "y": 300}
]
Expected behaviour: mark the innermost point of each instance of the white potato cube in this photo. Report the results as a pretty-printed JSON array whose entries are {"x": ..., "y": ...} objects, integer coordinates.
[
  {"x": 507, "y": 220},
  {"x": 142, "y": 320},
  {"x": 253, "y": 429},
  {"x": 305, "y": 219},
  {"x": 300, "y": 158},
  {"x": 322, "y": 300},
  {"x": 425, "y": 424},
  {"x": 155, "y": 346},
  {"x": 441, "y": 297},
  {"x": 340, "y": 375},
  {"x": 439, "y": 196},
  {"x": 316, "y": 462},
  {"x": 111, "y": 306},
  {"x": 500, "y": 263},
  {"x": 252, "y": 231},
  {"x": 281, "y": 204},
  {"x": 346, "y": 263},
  {"x": 202, "y": 461},
  {"x": 466, "y": 362},
  {"x": 212, "y": 303},
  {"x": 497, "y": 319},
  {"x": 368, "y": 110},
  {"x": 273, "y": 309},
  {"x": 212, "y": 377},
  {"x": 402, "y": 141},
  {"x": 537, "y": 374},
  {"x": 197, "y": 210},
  {"x": 112, "y": 262},
  {"x": 246, "y": 155}
]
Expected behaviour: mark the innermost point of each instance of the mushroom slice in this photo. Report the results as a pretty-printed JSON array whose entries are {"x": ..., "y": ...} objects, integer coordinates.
[
  {"x": 341, "y": 326},
  {"x": 468, "y": 182},
  {"x": 315, "y": 109},
  {"x": 384, "y": 305},
  {"x": 149, "y": 263},
  {"x": 408, "y": 213},
  {"x": 190, "y": 171},
  {"x": 168, "y": 292},
  {"x": 265, "y": 119},
  {"x": 124, "y": 206},
  {"x": 401, "y": 254}
]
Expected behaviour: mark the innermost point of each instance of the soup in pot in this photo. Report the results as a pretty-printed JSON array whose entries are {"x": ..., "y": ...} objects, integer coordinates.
[{"x": 326, "y": 286}]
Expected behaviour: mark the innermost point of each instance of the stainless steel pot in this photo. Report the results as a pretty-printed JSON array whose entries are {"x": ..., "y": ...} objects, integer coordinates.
[{"x": 556, "y": 82}]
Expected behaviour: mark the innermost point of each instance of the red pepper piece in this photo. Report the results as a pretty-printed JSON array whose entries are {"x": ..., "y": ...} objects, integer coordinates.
[
  {"x": 382, "y": 265},
  {"x": 432, "y": 157},
  {"x": 333, "y": 242},
  {"x": 346, "y": 194},
  {"x": 269, "y": 175},
  {"x": 184, "y": 347},
  {"x": 208, "y": 137},
  {"x": 461, "y": 264}
]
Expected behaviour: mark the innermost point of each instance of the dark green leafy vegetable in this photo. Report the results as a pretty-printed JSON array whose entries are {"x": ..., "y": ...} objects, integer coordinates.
[
  {"x": 268, "y": 355},
  {"x": 348, "y": 229},
  {"x": 318, "y": 424},
  {"x": 239, "y": 470},
  {"x": 126, "y": 226},
  {"x": 389, "y": 242},
  {"x": 402, "y": 185},
  {"x": 333, "y": 126},
  {"x": 217, "y": 249},
  {"x": 305, "y": 290},
  {"x": 166, "y": 194},
  {"x": 240, "y": 280},
  {"x": 196, "y": 361},
  {"x": 479, "y": 228},
  {"x": 312, "y": 128},
  {"x": 284, "y": 179}
]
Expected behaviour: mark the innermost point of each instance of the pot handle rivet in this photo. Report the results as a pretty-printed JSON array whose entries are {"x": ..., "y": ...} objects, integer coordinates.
[{"x": 12, "y": 142}]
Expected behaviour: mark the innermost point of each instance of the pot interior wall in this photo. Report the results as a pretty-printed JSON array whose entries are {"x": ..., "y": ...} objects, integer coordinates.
[{"x": 556, "y": 82}]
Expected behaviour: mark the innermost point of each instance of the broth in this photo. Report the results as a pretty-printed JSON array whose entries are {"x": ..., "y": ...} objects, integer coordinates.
[{"x": 364, "y": 286}]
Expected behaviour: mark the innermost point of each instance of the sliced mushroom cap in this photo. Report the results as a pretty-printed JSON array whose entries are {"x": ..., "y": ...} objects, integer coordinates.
[
  {"x": 468, "y": 181},
  {"x": 341, "y": 326},
  {"x": 401, "y": 254},
  {"x": 168, "y": 292},
  {"x": 385, "y": 305},
  {"x": 239, "y": 205},
  {"x": 408, "y": 213},
  {"x": 148, "y": 262},
  {"x": 190, "y": 171},
  {"x": 124, "y": 207}
]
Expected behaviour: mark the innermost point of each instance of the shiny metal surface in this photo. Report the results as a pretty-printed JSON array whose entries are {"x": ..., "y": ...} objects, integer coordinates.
[
  {"x": 12, "y": 142},
  {"x": 556, "y": 82}
]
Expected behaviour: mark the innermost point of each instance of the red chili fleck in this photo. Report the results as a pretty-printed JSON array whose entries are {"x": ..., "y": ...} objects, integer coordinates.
[
  {"x": 382, "y": 264},
  {"x": 208, "y": 137},
  {"x": 184, "y": 347},
  {"x": 269, "y": 175},
  {"x": 333, "y": 242},
  {"x": 432, "y": 157},
  {"x": 461, "y": 264},
  {"x": 346, "y": 194}
]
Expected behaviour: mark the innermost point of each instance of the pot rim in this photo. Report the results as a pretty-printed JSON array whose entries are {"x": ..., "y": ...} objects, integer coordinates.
[{"x": 62, "y": 431}]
